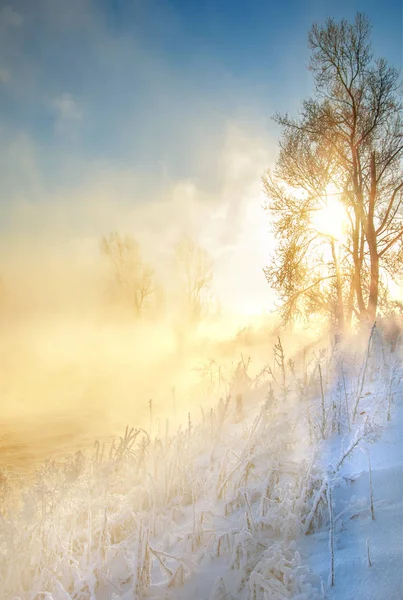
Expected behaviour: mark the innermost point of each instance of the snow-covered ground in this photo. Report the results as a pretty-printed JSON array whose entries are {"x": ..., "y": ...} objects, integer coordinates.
[
  {"x": 368, "y": 544},
  {"x": 269, "y": 495}
]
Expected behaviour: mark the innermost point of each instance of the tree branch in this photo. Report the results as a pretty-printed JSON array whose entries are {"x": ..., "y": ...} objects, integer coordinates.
[
  {"x": 388, "y": 211},
  {"x": 390, "y": 244}
]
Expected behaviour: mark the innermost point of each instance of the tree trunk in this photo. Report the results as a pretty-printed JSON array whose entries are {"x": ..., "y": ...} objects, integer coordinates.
[
  {"x": 339, "y": 291},
  {"x": 357, "y": 259},
  {"x": 374, "y": 281},
  {"x": 372, "y": 245},
  {"x": 350, "y": 303}
]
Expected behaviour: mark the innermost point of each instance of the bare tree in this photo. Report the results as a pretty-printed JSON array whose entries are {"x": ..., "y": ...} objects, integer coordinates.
[
  {"x": 194, "y": 269},
  {"x": 350, "y": 134},
  {"x": 306, "y": 270},
  {"x": 133, "y": 278}
]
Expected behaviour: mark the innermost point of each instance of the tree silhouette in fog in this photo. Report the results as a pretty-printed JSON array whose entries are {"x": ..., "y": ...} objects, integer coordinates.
[
  {"x": 133, "y": 279},
  {"x": 194, "y": 272}
]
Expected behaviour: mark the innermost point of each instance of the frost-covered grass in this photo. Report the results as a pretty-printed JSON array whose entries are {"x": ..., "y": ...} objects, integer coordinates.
[{"x": 249, "y": 500}]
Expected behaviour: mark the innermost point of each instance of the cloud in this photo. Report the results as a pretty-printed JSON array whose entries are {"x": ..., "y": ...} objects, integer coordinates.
[
  {"x": 9, "y": 17},
  {"x": 68, "y": 116},
  {"x": 4, "y": 75},
  {"x": 67, "y": 108},
  {"x": 20, "y": 173},
  {"x": 10, "y": 20}
]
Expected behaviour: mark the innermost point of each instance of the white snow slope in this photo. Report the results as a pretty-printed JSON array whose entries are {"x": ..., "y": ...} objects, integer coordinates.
[{"x": 266, "y": 497}]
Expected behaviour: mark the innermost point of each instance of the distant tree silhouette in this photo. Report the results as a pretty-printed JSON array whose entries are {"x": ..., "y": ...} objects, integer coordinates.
[
  {"x": 194, "y": 270},
  {"x": 133, "y": 279}
]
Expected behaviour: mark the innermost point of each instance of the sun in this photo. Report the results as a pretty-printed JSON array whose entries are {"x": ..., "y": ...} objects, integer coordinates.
[{"x": 330, "y": 218}]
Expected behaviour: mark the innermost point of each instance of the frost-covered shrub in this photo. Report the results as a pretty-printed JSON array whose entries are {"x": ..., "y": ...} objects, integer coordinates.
[{"x": 280, "y": 574}]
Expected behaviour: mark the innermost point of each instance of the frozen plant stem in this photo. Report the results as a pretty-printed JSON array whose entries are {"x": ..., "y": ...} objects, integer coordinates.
[
  {"x": 310, "y": 425},
  {"x": 389, "y": 405},
  {"x": 280, "y": 361},
  {"x": 331, "y": 528},
  {"x": 361, "y": 386},
  {"x": 323, "y": 403},
  {"x": 390, "y": 395},
  {"x": 346, "y": 399},
  {"x": 369, "y": 554},
  {"x": 249, "y": 516},
  {"x": 371, "y": 493}
]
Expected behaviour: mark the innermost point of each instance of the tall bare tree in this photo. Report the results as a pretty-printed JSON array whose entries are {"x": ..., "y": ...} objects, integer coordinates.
[
  {"x": 133, "y": 278},
  {"x": 194, "y": 269},
  {"x": 349, "y": 134}
]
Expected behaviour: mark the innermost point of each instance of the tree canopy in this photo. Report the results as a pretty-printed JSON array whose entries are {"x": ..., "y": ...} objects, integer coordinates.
[{"x": 346, "y": 145}]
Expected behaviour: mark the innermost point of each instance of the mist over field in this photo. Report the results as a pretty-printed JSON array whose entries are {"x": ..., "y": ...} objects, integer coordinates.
[
  {"x": 78, "y": 364},
  {"x": 74, "y": 372}
]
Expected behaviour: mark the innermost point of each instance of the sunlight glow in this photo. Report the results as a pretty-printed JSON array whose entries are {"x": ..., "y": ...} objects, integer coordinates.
[{"x": 330, "y": 219}]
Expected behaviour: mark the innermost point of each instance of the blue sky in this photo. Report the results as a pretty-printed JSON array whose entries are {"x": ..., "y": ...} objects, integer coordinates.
[
  {"x": 132, "y": 99},
  {"x": 142, "y": 72}
]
